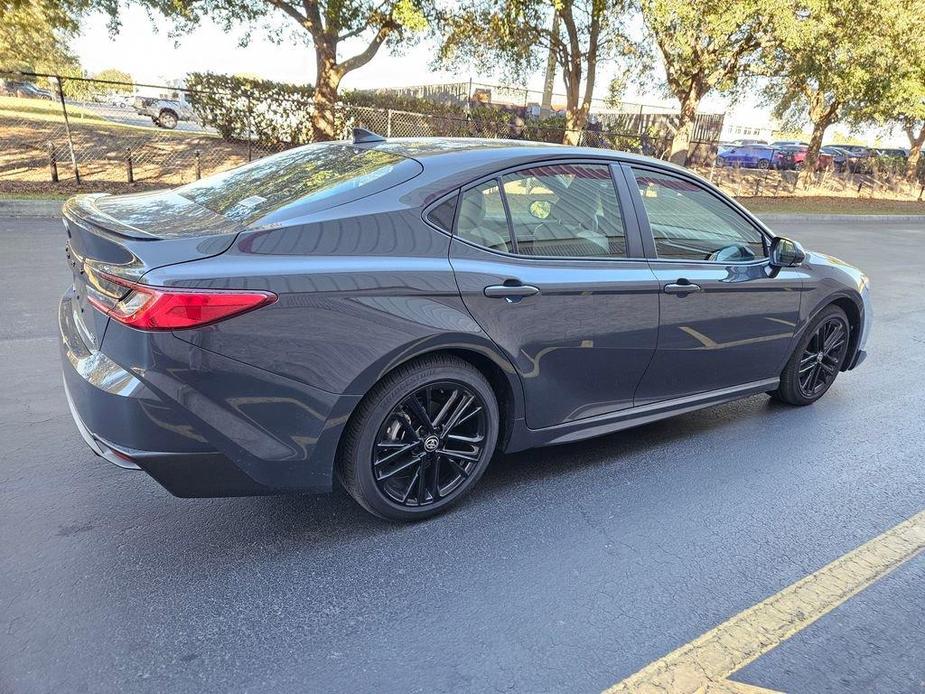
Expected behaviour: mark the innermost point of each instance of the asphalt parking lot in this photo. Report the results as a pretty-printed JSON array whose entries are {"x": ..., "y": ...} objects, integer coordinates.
[{"x": 567, "y": 570}]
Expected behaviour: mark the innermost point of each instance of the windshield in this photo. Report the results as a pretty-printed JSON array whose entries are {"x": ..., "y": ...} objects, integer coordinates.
[{"x": 311, "y": 173}]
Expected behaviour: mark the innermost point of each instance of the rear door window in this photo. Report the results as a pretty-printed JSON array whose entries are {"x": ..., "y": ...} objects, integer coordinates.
[{"x": 565, "y": 210}]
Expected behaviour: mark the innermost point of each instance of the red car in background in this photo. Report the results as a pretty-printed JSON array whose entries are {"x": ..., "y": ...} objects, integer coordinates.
[{"x": 793, "y": 157}]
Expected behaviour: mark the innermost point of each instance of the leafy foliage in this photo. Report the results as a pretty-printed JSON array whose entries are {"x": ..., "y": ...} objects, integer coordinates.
[
  {"x": 34, "y": 36},
  {"x": 243, "y": 108},
  {"x": 517, "y": 35},
  {"x": 837, "y": 60},
  {"x": 125, "y": 80},
  {"x": 327, "y": 23},
  {"x": 276, "y": 114},
  {"x": 707, "y": 45}
]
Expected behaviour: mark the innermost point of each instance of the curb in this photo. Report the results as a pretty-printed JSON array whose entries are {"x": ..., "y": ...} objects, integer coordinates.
[
  {"x": 31, "y": 208},
  {"x": 769, "y": 217}
]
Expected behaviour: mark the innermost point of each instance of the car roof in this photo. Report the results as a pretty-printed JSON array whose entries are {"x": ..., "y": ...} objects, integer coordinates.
[{"x": 473, "y": 152}]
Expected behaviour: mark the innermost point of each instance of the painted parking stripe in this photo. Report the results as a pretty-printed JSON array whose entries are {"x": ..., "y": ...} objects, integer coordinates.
[{"x": 703, "y": 665}]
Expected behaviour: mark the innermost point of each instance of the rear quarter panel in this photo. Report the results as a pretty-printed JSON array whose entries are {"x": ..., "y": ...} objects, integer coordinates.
[{"x": 362, "y": 288}]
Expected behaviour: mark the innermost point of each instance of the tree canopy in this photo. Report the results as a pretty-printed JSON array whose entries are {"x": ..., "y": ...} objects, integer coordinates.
[
  {"x": 705, "y": 46},
  {"x": 34, "y": 35},
  {"x": 517, "y": 35},
  {"x": 327, "y": 24},
  {"x": 836, "y": 60}
]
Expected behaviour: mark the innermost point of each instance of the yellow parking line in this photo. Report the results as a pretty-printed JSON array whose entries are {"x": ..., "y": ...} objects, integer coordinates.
[{"x": 703, "y": 665}]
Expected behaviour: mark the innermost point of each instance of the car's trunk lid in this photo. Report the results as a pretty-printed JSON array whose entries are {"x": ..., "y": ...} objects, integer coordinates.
[{"x": 126, "y": 236}]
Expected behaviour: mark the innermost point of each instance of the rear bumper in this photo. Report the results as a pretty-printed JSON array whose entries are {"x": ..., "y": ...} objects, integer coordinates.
[{"x": 200, "y": 424}]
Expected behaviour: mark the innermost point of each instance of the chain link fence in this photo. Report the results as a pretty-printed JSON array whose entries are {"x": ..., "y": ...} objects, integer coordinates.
[
  {"x": 885, "y": 181},
  {"x": 60, "y": 134},
  {"x": 57, "y": 132}
]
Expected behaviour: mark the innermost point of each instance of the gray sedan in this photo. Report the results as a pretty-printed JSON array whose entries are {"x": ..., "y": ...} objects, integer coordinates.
[{"x": 390, "y": 313}]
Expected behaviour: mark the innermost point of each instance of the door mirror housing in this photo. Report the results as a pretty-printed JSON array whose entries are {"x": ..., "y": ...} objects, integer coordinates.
[{"x": 786, "y": 252}]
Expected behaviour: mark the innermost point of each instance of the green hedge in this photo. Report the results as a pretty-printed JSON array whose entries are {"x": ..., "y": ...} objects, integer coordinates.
[{"x": 276, "y": 115}]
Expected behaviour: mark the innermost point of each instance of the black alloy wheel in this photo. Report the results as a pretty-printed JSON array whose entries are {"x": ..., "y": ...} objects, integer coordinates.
[
  {"x": 822, "y": 358},
  {"x": 429, "y": 444},
  {"x": 420, "y": 439},
  {"x": 817, "y": 359}
]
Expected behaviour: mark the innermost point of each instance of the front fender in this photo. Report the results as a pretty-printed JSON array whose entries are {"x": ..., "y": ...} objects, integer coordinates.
[{"x": 829, "y": 280}]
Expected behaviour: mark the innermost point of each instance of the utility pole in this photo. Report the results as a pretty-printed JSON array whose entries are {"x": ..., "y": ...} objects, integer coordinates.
[{"x": 546, "y": 106}]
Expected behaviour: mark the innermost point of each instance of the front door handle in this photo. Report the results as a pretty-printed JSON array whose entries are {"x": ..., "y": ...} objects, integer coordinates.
[
  {"x": 511, "y": 291},
  {"x": 682, "y": 288}
]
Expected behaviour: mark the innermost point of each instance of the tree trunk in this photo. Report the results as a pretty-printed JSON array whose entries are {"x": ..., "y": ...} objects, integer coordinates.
[
  {"x": 576, "y": 117},
  {"x": 324, "y": 120},
  {"x": 681, "y": 142},
  {"x": 915, "y": 150},
  {"x": 815, "y": 143}
]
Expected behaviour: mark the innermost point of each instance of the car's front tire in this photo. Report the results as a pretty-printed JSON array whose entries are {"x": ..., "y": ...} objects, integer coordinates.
[
  {"x": 167, "y": 119},
  {"x": 420, "y": 439},
  {"x": 817, "y": 359}
]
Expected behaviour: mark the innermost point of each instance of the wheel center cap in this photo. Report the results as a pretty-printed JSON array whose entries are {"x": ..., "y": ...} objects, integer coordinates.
[
  {"x": 431, "y": 443},
  {"x": 819, "y": 357}
]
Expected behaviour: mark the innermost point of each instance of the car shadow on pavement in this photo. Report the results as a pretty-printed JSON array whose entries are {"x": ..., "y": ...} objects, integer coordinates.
[{"x": 278, "y": 525}]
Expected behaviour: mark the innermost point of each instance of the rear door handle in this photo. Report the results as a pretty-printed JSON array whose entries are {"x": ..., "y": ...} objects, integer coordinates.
[
  {"x": 513, "y": 291},
  {"x": 682, "y": 288}
]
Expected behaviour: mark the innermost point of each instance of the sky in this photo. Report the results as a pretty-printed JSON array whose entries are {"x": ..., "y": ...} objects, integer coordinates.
[{"x": 144, "y": 49}]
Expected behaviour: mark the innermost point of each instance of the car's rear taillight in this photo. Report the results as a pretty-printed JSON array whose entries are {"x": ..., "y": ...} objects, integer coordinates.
[{"x": 166, "y": 308}]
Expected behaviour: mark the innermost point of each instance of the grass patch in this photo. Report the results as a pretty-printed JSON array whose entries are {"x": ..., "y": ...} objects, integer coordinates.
[
  {"x": 50, "y": 112},
  {"x": 832, "y": 205},
  {"x": 37, "y": 195}
]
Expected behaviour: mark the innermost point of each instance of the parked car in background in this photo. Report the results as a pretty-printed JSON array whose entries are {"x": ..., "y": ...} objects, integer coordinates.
[
  {"x": 891, "y": 160},
  {"x": 747, "y": 157},
  {"x": 119, "y": 100},
  {"x": 789, "y": 156},
  {"x": 26, "y": 90},
  {"x": 731, "y": 144},
  {"x": 857, "y": 158},
  {"x": 860, "y": 150},
  {"x": 389, "y": 313},
  {"x": 838, "y": 157},
  {"x": 789, "y": 143},
  {"x": 746, "y": 141},
  {"x": 165, "y": 113},
  {"x": 897, "y": 152}
]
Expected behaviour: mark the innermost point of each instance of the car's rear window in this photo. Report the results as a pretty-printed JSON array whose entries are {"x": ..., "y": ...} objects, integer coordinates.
[{"x": 316, "y": 173}]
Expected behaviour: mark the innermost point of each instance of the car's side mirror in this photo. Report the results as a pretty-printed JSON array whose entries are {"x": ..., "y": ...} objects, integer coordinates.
[{"x": 786, "y": 252}]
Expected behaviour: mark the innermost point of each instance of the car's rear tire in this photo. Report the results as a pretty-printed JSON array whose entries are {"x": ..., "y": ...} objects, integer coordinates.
[
  {"x": 420, "y": 439},
  {"x": 764, "y": 163},
  {"x": 167, "y": 119},
  {"x": 817, "y": 359}
]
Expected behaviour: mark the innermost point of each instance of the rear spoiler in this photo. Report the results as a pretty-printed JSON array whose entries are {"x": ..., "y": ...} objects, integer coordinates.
[{"x": 83, "y": 210}]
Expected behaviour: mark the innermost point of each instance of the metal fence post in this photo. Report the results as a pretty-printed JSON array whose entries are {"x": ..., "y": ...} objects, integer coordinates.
[
  {"x": 129, "y": 172},
  {"x": 250, "y": 134},
  {"x": 67, "y": 128},
  {"x": 52, "y": 163}
]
